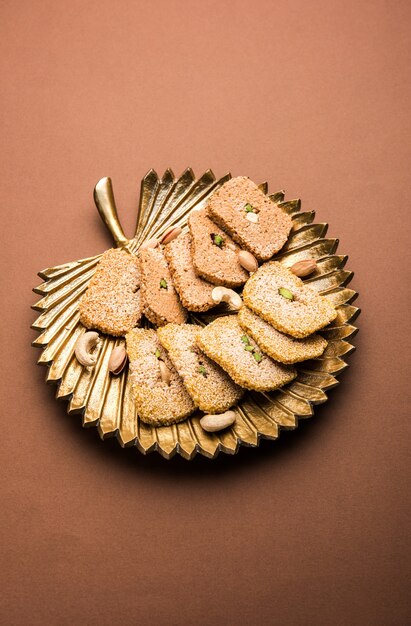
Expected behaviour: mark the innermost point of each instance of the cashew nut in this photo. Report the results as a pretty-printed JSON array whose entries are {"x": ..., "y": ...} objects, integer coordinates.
[
  {"x": 150, "y": 243},
  {"x": 117, "y": 360},
  {"x": 85, "y": 349},
  {"x": 170, "y": 234},
  {"x": 252, "y": 217},
  {"x": 222, "y": 294},
  {"x": 247, "y": 261},
  {"x": 164, "y": 373},
  {"x": 212, "y": 423}
]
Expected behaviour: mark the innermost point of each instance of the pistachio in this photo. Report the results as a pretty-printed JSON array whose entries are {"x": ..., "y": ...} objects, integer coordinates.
[
  {"x": 150, "y": 243},
  {"x": 304, "y": 268},
  {"x": 202, "y": 370},
  {"x": 170, "y": 234},
  {"x": 247, "y": 261},
  {"x": 163, "y": 283},
  {"x": 157, "y": 353},
  {"x": 258, "y": 356},
  {"x": 245, "y": 339},
  {"x": 117, "y": 360},
  {"x": 252, "y": 217},
  {"x": 85, "y": 348},
  {"x": 248, "y": 208},
  {"x": 217, "y": 240},
  {"x": 213, "y": 423},
  {"x": 164, "y": 373},
  {"x": 222, "y": 294},
  {"x": 285, "y": 293},
  {"x": 249, "y": 348}
]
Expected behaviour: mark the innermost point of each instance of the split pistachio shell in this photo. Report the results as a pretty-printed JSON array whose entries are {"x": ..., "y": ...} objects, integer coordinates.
[
  {"x": 165, "y": 373},
  {"x": 248, "y": 261},
  {"x": 150, "y": 243},
  {"x": 85, "y": 349},
  {"x": 118, "y": 360},
  {"x": 222, "y": 294},
  {"x": 213, "y": 423},
  {"x": 170, "y": 234}
]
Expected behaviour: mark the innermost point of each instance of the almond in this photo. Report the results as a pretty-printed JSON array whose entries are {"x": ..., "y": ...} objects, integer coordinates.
[
  {"x": 304, "y": 268},
  {"x": 149, "y": 243},
  {"x": 247, "y": 261},
  {"x": 117, "y": 360}
]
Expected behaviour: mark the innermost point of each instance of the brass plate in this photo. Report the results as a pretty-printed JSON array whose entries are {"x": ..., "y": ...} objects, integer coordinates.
[{"x": 105, "y": 401}]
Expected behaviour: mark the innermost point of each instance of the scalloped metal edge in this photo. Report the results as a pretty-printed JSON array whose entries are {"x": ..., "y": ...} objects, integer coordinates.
[{"x": 165, "y": 202}]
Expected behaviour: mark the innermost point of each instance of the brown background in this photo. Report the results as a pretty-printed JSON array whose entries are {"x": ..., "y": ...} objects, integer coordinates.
[{"x": 313, "y": 97}]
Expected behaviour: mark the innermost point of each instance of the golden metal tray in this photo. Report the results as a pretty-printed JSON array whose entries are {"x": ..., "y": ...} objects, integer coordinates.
[{"x": 105, "y": 401}]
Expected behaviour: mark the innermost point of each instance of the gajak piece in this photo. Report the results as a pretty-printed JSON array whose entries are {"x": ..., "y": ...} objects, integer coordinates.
[
  {"x": 112, "y": 302},
  {"x": 159, "y": 393},
  {"x": 278, "y": 346},
  {"x": 210, "y": 386},
  {"x": 194, "y": 291},
  {"x": 254, "y": 221},
  {"x": 285, "y": 302},
  {"x": 225, "y": 342},
  {"x": 214, "y": 253},
  {"x": 159, "y": 297}
]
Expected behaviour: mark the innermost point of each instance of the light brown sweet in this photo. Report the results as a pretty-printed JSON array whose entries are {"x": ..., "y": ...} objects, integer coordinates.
[
  {"x": 263, "y": 229},
  {"x": 278, "y": 346},
  {"x": 218, "y": 264},
  {"x": 157, "y": 403},
  {"x": 159, "y": 297},
  {"x": 225, "y": 342},
  {"x": 210, "y": 386},
  {"x": 300, "y": 316},
  {"x": 112, "y": 300},
  {"x": 194, "y": 292}
]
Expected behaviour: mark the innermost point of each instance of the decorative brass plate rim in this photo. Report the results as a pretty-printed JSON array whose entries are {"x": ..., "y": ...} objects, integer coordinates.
[{"x": 105, "y": 401}]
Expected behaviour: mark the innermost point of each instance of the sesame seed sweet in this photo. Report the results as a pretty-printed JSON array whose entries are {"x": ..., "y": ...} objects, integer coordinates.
[
  {"x": 225, "y": 342},
  {"x": 111, "y": 302},
  {"x": 247, "y": 214},
  {"x": 278, "y": 346},
  {"x": 157, "y": 403},
  {"x": 215, "y": 255},
  {"x": 208, "y": 384},
  {"x": 160, "y": 300},
  {"x": 285, "y": 302},
  {"x": 194, "y": 292}
]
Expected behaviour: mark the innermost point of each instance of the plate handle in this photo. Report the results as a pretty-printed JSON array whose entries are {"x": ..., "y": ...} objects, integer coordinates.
[{"x": 106, "y": 205}]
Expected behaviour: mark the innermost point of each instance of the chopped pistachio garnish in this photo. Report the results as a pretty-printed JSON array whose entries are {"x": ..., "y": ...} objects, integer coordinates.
[
  {"x": 249, "y": 348},
  {"x": 202, "y": 370},
  {"x": 157, "y": 353},
  {"x": 217, "y": 240},
  {"x": 163, "y": 283},
  {"x": 285, "y": 293},
  {"x": 249, "y": 208}
]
